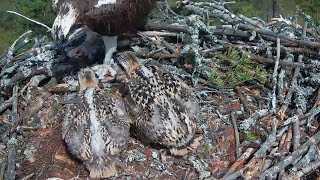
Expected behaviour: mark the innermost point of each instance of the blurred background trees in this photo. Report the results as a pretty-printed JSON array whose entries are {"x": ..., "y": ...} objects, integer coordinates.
[{"x": 11, "y": 26}]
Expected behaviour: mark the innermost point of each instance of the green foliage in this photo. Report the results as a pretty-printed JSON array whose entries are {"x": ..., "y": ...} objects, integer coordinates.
[
  {"x": 250, "y": 136},
  {"x": 216, "y": 80},
  {"x": 12, "y": 26},
  {"x": 240, "y": 69},
  {"x": 39, "y": 10},
  {"x": 245, "y": 7},
  {"x": 263, "y": 9},
  {"x": 311, "y": 7}
]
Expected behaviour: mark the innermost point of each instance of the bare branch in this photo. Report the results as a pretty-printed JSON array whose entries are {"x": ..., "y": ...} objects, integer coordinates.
[{"x": 13, "y": 12}]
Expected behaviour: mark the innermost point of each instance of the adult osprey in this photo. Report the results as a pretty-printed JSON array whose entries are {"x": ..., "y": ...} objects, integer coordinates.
[{"x": 78, "y": 21}]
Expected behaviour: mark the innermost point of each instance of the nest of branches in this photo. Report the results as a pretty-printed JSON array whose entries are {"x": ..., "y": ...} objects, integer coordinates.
[{"x": 258, "y": 85}]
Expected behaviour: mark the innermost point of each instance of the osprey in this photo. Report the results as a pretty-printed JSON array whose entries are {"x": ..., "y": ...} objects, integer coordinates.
[
  {"x": 96, "y": 126},
  {"x": 164, "y": 109},
  {"x": 78, "y": 19}
]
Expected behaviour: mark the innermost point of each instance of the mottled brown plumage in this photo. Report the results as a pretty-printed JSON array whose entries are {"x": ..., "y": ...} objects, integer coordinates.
[
  {"x": 163, "y": 107},
  {"x": 106, "y": 18},
  {"x": 96, "y": 127},
  {"x": 114, "y": 19}
]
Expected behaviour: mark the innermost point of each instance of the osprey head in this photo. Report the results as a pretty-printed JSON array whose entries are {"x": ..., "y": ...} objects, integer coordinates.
[{"x": 84, "y": 47}]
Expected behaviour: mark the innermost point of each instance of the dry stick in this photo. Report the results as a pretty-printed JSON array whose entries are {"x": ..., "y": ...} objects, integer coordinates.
[
  {"x": 35, "y": 51},
  {"x": 2, "y": 170},
  {"x": 264, "y": 60},
  {"x": 296, "y": 125},
  {"x": 243, "y": 100},
  {"x": 159, "y": 33},
  {"x": 236, "y": 134},
  {"x": 281, "y": 86},
  {"x": 29, "y": 177},
  {"x": 242, "y": 159},
  {"x": 48, "y": 28},
  {"x": 269, "y": 141},
  {"x": 246, "y": 35},
  {"x": 288, "y": 141},
  {"x": 306, "y": 169},
  {"x": 284, "y": 147},
  {"x": 11, "y": 144},
  {"x": 12, "y": 48},
  {"x": 274, "y": 78},
  {"x": 287, "y": 100},
  {"x": 172, "y": 28},
  {"x": 289, "y": 159},
  {"x": 296, "y": 134},
  {"x": 304, "y": 30},
  {"x": 168, "y": 46},
  {"x": 310, "y": 156},
  {"x": 302, "y": 118},
  {"x": 282, "y": 141},
  {"x": 311, "y": 117},
  {"x": 225, "y": 15},
  {"x": 313, "y": 110},
  {"x": 301, "y": 43},
  {"x": 229, "y": 31},
  {"x": 30, "y": 112},
  {"x": 6, "y": 105}
]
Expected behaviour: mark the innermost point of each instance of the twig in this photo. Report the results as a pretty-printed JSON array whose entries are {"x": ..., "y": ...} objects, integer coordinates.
[
  {"x": 304, "y": 30},
  {"x": 282, "y": 141},
  {"x": 30, "y": 112},
  {"x": 236, "y": 134},
  {"x": 269, "y": 141},
  {"x": 281, "y": 85},
  {"x": 296, "y": 134},
  {"x": 314, "y": 112},
  {"x": 245, "y": 124},
  {"x": 168, "y": 46},
  {"x": 2, "y": 170},
  {"x": 172, "y": 28},
  {"x": 306, "y": 170},
  {"x": 269, "y": 173},
  {"x": 12, "y": 49},
  {"x": 274, "y": 78},
  {"x": 288, "y": 142},
  {"x": 243, "y": 100},
  {"x": 267, "y": 61},
  {"x": 11, "y": 144},
  {"x": 159, "y": 33},
  {"x": 6, "y": 105},
  {"x": 240, "y": 161},
  {"x": 306, "y": 159},
  {"x": 48, "y": 28},
  {"x": 287, "y": 100},
  {"x": 195, "y": 26},
  {"x": 300, "y": 43},
  {"x": 28, "y": 176}
]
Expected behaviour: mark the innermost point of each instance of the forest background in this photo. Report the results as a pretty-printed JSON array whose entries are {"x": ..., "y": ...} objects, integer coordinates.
[{"x": 11, "y": 26}]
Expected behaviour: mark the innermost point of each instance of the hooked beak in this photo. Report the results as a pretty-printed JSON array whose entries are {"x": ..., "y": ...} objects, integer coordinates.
[
  {"x": 73, "y": 41},
  {"x": 83, "y": 47}
]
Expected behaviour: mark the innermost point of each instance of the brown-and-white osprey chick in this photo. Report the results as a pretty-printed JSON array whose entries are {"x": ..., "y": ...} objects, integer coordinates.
[
  {"x": 164, "y": 109},
  {"x": 96, "y": 127}
]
